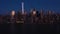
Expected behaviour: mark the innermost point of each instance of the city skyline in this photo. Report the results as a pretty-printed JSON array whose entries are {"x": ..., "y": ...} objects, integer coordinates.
[{"x": 8, "y": 5}]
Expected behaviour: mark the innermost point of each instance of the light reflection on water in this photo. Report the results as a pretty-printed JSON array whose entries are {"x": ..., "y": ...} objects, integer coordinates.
[{"x": 29, "y": 28}]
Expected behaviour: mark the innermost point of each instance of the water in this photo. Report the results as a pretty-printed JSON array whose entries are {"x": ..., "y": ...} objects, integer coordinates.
[{"x": 28, "y": 28}]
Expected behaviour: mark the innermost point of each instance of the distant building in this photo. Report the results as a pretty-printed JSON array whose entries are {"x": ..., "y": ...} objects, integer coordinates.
[
  {"x": 1, "y": 19},
  {"x": 34, "y": 17},
  {"x": 12, "y": 19}
]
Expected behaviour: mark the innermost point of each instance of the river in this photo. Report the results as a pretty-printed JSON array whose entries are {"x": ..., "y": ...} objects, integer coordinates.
[{"x": 28, "y": 28}]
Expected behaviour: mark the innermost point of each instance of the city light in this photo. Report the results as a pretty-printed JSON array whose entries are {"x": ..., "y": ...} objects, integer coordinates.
[
  {"x": 13, "y": 13},
  {"x": 34, "y": 12}
]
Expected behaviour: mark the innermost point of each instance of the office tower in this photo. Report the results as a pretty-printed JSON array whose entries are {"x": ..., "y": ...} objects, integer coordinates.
[
  {"x": 33, "y": 16},
  {"x": 57, "y": 18},
  {"x": 50, "y": 17},
  {"x": 12, "y": 16},
  {"x": 12, "y": 13},
  {"x": 1, "y": 19},
  {"x": 21, "y": 20},
  {"x": 33, "y": 12},
  {"x": 41, "y": 13},
  {"x": 22, "y": 7},
  {"x": 41, "y": 17},
  {"x": 49, "y": 12}
]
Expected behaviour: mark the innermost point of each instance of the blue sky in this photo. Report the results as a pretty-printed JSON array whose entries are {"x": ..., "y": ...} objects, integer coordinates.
[{"x": 7, "y": 5}]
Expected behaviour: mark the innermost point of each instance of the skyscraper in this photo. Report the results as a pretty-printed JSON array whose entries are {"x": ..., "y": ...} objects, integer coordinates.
[
  {"x": 12, "y": 16},
  {"x": 22, "y": 7}
]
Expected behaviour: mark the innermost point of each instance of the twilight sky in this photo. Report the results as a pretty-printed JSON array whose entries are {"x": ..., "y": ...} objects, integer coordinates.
[{"x": 8, "y": 5}]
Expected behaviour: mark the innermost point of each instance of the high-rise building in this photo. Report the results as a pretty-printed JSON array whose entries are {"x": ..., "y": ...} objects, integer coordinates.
[
  {"x": 12, "y": 13},
  {"x": 41, "y": 13},
  {"x": 22, "y": 7},
  {"x": 12, "y": 16},
  {"x": 34, "y": 16},
  {"x": 22, "y": 16}
]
